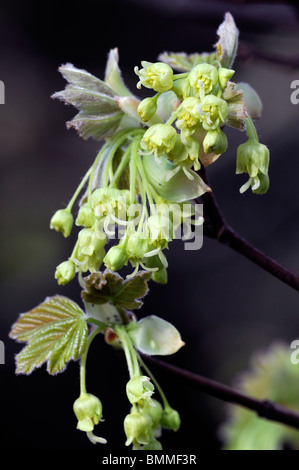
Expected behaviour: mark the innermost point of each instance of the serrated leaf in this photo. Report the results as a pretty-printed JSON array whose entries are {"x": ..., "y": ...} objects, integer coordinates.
[
  {"x": 90, "y": 101},
  {"x": 155, "y": 336},
  {"x": 56, "y": 332},
  {"x": 82, "y": 78},
  {"x": 179, "y": 188},
  {"x": 183, "y": 62},
  {"x": 227, "y": 45},
  {"x": 97, "y": 126},
  {"x": 101, "y": 288}
]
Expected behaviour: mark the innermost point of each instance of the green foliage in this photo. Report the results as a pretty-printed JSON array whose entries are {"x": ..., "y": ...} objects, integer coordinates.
[
  {"x": 273, "y": 376},
  {"x": 55, "y": 332}
]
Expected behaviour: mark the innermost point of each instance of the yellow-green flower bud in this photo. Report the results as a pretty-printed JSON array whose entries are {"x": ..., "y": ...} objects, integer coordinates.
[
  {"x": 252, "y": 158},
  {"x": 159, "y": 139},
  {"x": 155, "y": 411},
  {"x": 214, "y": 112},
  {"x": 88, "y": 410},
  {"x": 116, "y": 257},
  {"x": 89, "y": 242},
  {"x": 215, "y": 141},
  {"x": 160, "y": 230},
  {"x": 181, "y": 87},
  {"x": 85, "y": 217},
  {"x": 157, "y": 76},
  {"x": 62, "y": 221},
  {"x": 203, "y": 78},
  {"x": 224, "y": 75},
  {"x": 170, "y": 419},
  {"x": 65, "y": 272},
  {"x": 147, "y": 109},
  {"x": 137, "y": 428},
  {"x": 139, "y": 390}
]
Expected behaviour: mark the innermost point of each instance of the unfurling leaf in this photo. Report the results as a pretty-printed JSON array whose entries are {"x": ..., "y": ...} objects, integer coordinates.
[
  {"x": 227, "y": 44},
  {"x": 99, "y": 114},
  {"x": 155, "y": 336},
  {"x": 113, "y": 76},
  {"x": 110, "y": 287},
  {"x": 55, "y": 332}
]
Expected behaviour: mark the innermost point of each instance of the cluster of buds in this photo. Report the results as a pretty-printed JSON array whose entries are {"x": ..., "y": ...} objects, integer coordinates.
[{"x": 143, "y": 425}]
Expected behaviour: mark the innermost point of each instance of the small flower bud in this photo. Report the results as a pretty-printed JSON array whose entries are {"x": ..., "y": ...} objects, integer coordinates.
[
  {"x": 158, "y": 76},
  {"x": 88, "y": 410},
  {"x": 139, "y": 390},
  {"x": 147, "y": 109},
  {"x": 224, "y": 75},
  {"x": 137, "y": 428},
  {"x": 116, "y": 257},
  {"x": 159, "y": 138},
  {"x": 252, "y": 158},
  {"x": 181, "y": 88},
  {"x": 65, "y": 272},
  {"x": 170, "y": 419},
  {"x": 62, "y": 221},
  {"x": 215, "y": 141},
  {"x": 160, "y": 277},
  {"x": 89, "y": 242},
  {"x": 85, "y": 217},
  {"x": 203, "y": 78}
]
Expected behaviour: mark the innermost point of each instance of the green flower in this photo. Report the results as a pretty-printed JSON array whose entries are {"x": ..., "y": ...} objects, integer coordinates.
[
  {"x": 139, "y": 390},
  {"x": 253, "y": 158},
  {"x": 88, "y": 410},
  {"x": 65, "y": 272},
  {"x": 160, "y": 230},
  {"x": 202, "y": 79},
  {"x": 188, "y": 116},
  {"x": 157, "y": 76},
  {"x": 62, "y": 221},
  {"x": 138, "y": 428},
  {"x": 159, "y": 139},
  {"x": 214, "y": 112},
  {"x": 85, "y": 217}
]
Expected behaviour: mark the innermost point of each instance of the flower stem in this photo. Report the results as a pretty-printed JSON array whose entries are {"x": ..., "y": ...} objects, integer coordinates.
[
  {"x": 78, "y": 190},
  {"x": 84, "y": 357}
]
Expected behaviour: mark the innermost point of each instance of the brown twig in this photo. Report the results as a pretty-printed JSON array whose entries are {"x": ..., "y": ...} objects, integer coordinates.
[
  {"x": 264, "y": 408},
  {"x": 216, "y": 227}
]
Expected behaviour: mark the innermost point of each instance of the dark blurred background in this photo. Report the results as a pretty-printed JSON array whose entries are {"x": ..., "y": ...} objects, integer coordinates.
[{"x": 224, "y": 306}]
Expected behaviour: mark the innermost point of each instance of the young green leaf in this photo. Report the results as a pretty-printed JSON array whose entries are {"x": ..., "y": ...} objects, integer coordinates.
[
  {"x": 101, "y": 288},
  {"x": 113, "y": 76},
  {"x": 56, "y": 332},
  {"x": 155, "y": 336},
  {"x": 227, "y": 44}
]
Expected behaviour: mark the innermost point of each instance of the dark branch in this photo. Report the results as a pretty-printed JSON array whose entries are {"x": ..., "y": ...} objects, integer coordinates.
[
  {"x": 216, "y": 227},
  {"x": 264, "y": 408}
]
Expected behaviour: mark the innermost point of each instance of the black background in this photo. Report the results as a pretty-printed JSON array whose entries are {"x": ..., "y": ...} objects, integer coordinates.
[{"x": 224, "y": 306}]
